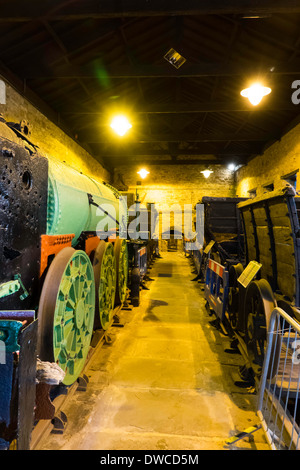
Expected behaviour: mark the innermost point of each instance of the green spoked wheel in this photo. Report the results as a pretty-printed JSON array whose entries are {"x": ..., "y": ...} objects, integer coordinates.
[
  {"x": 66, "y": 312},
  {"x": 104, "y": 264},
  {"x": 121, "y": 254}
]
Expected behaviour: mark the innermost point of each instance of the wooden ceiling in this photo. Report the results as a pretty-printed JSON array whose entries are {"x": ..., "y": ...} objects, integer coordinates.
[{"x": 80, "y": 61}]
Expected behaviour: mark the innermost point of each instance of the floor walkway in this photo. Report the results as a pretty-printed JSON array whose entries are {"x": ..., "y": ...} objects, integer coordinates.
[{"x": 165, "y": 382}]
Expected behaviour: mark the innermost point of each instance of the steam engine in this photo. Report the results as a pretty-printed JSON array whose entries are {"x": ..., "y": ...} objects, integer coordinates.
[{"x": 64, "y": 271}]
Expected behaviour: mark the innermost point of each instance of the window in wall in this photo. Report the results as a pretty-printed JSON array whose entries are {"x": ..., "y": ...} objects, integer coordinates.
[
  {"x": 252, "y": 193},
  {"x": 268, "y": 187},
  {"x": 291, "y": 178}
]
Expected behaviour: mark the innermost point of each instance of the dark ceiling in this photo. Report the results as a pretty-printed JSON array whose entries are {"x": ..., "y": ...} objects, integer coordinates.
[{"x": 78, "y": 61}]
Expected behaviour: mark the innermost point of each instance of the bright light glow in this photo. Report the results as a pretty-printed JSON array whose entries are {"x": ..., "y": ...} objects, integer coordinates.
[
  {"x": 206, "y": 173},
  {"x": 231, "y": 167},
  {"x": 255, "y": 93},
  {"x": 120, "y": 125},
  {"x": 143, "y": 173}
]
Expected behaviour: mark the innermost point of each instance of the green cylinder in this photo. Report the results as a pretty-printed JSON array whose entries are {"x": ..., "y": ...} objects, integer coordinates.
[{"x": 73, "y": 199}]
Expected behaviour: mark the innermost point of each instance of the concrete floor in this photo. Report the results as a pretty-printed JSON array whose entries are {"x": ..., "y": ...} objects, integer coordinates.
[{"x": 165, "y": 382}]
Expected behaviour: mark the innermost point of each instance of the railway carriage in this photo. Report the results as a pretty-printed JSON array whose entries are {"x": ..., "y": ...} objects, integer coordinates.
[{"x": 244, "y": 295}]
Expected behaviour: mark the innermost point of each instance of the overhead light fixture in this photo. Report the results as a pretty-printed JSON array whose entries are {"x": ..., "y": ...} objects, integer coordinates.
[
  {"x": 174, "y": 58},
  {"x": 206, "y": 173},
  {"x": 143, "y": 173},
  {"x": 255, "y": 17},
  {"x": 255, "y": 93},
  {"x": 120, "y": 125},
  {"x": 231, "y": 167}
]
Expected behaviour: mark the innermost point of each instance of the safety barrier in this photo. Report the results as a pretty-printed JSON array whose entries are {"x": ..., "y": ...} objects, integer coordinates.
[
  {"x": 216, "y": 287},
  {"x": 279, "y": 389}
]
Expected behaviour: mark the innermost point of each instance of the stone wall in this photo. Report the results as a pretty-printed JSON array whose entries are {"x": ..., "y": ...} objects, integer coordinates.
[
  {"x": 52, "y": 141},
  {"x": 169, "y": 185},
  {"x": 280, "y": 159}
]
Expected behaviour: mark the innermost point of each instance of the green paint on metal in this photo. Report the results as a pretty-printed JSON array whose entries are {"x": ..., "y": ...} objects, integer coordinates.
[
  {"x": 74, "y": 316},
  {"x": 25, "y": 294},
  {"x": 107, "y": 286},
  {"x": 50, "y": 207},
  {"x": 9, "y": 332},
  {"x": 9, "y": 288},
  {"x": 69, "y": 209}
]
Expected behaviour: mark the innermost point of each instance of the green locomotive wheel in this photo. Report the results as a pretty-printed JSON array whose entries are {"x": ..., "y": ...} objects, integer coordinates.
[
  {"x": 121, "y": 253},
  {"x": 66, "y": 312},
  {"x": 104, "y": 264}
]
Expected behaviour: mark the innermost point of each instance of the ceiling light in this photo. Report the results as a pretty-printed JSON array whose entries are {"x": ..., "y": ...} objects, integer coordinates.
[
  {"x": 255, "y": 17},
  {"x": 143, "y": 173},
  {"x": 231, "y": 167},
  {"x": 120, "y": 125},
  {"x": 206, "y": 173},
  {"x": 174, "y": 58},
  {"x": 255, "y": 93}
]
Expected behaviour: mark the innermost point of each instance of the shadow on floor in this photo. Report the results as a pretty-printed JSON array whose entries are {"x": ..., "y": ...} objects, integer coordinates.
[{"x": 149, "y": 315}]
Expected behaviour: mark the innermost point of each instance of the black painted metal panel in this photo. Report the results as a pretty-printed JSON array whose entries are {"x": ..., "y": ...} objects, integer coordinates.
[{"x": 23, "y": 215}]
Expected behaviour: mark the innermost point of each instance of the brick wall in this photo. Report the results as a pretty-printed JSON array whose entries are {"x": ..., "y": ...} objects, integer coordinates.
[
  {"x": 282, "y": 158},
  {"x": 167, "y": 185},
  {"x": 52, "y": 141}
]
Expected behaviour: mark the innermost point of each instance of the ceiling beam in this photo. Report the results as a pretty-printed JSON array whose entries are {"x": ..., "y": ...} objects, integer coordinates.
[
  {"x": 208, "y": 69},
  {"x": 64, "y": 51},
  {"x": 205, "y": 150},
  {"x": 94, "y": 138},
  {"x": 134, "y": 152},
  {"x": 148, "y": 162},
  {"x": 20, "y": 11},
  {"x": 268, "y": 104}
]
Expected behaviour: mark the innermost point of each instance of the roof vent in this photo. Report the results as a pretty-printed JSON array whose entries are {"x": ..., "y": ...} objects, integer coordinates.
[{"x": 174, "y": 58}]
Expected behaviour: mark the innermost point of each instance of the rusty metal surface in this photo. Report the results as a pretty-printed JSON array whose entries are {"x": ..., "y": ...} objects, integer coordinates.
[{"x": 44, "y": 406}]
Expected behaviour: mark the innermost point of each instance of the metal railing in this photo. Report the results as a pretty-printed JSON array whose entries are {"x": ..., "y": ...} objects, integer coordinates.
[{"x": 279, "y": 389}]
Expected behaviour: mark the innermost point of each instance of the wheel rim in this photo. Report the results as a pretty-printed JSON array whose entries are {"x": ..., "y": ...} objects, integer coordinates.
[
  {"x": 121, "y": 253},
  {"x": 259, "y": 304},
  {"x": 67, "y": 307},
  {"x": 287, "y": 307},
  {"x": 104, "y": 265}
]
